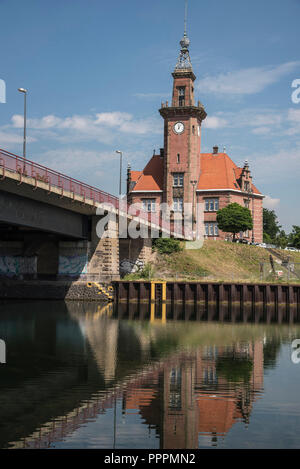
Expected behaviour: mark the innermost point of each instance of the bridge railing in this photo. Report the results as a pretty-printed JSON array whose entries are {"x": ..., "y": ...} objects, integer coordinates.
[{"x": 11, "y": 162}]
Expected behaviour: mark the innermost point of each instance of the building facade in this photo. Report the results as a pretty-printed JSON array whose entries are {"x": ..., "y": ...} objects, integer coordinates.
[{"x": 181, "y": 176}]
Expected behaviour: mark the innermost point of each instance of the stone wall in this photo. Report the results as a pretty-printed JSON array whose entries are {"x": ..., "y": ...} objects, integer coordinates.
[{"x": 55, "y": 290}]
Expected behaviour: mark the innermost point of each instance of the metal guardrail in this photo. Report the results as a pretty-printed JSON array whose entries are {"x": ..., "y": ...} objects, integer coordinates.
[
  {"x": 11, "y": 162},
  {"x": 286, "y": 270}
]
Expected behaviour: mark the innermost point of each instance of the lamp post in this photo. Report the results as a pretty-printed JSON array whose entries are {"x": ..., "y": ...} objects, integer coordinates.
[
  {"x": 250, "y": 193},
  {"x": 193, "y": 182},
  {"x": 24, "y": 91},
  {"x": 120, "y": 183}
]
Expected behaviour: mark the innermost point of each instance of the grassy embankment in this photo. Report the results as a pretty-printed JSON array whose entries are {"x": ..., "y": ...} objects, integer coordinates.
[{"x": 217, "y": 261}]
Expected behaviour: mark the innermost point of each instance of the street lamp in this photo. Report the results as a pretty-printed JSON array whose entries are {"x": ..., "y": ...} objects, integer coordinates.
[
  {"x": 120, "y": 184},
  {"x": 24, "y": 91},
  {"x": 250, "y": 192},
  {"x": 193, "y": 182}
]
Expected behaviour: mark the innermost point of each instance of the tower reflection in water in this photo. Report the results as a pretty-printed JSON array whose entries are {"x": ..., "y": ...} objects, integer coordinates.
[{"x": 188, "y": 381}]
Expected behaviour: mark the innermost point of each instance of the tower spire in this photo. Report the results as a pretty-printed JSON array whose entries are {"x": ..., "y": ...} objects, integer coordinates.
[
  {"x": 185, "y": 17},
  {"x": 184, "y": 61}
]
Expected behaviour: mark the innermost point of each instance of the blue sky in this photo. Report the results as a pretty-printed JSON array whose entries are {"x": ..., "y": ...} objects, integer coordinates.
[{"x": 97, "y": 72}]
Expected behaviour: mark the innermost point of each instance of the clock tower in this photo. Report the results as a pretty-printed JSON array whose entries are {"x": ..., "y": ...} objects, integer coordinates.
[{"x": 182, "y": 134}]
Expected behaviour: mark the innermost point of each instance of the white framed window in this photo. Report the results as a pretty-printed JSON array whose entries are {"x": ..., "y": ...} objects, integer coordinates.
[
  {"x": 149, "y": 205},
  {"x": 177, "y": 204},
  {"x": 211, "y": 229},
  {"x": 211, "y": 205},
  {"x": 177, "y": 179}
]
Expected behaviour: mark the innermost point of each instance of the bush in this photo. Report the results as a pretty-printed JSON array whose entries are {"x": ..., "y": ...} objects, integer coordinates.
[
  {"x": 166, "y": 245},
  {"x": 147, "y": 272}
]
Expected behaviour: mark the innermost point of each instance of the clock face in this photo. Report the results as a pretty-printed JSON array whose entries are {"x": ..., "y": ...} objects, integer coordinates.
[{"x": 179, "y": 127}]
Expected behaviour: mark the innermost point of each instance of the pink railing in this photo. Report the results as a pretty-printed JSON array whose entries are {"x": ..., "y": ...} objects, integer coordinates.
[{"x": 40, "y": 173}]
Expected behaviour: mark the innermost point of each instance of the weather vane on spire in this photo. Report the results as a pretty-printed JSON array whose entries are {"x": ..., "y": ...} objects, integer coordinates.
[
  {"x": 185, "y": 17},
  {"x": 184, "y": 61}
]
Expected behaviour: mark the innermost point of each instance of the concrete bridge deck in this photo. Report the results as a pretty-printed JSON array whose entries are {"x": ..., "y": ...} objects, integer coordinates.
[
  {"x": 48, "y": 226},
  {"x": 37, "y": 182}
]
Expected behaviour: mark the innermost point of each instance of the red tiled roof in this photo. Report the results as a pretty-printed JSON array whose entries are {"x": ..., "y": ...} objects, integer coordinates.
[
  {"x": 151, "y": 178},
  {"x": 218, "y": 171},
  {"x": 135, "y": 175}
]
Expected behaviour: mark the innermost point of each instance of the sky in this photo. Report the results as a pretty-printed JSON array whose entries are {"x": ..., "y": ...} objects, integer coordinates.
[{"x": 96, "y": 73}]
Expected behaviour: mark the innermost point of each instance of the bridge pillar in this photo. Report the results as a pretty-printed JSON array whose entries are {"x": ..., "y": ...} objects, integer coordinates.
[
  {"x": 134, "y": 254},
  {"x": 103, "y": 254}
]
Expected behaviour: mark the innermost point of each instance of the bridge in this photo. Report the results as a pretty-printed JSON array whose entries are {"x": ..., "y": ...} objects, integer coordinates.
[{"x": 48, "y": 226}]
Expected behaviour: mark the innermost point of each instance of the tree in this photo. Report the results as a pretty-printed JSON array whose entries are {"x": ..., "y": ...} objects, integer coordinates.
[
  {"x": 294, "y": 237},
  {"x": 271, "y": 227},
  {"x": 282, "y": 239},
  {"x": 234, "y": 218}
]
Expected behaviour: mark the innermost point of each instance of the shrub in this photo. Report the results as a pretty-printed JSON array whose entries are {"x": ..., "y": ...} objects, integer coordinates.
[
  {"x": 166, "y": 245},
  {"x": 147, "y": 272}
]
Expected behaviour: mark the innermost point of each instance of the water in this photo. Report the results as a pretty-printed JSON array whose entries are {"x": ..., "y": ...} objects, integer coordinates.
[{"x": 78, "y": 377}]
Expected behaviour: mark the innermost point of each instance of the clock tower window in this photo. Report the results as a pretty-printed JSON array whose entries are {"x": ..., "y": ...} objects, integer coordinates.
[
  {"x": 181, "y": 95},
  {"x": 177, "y": 179}
]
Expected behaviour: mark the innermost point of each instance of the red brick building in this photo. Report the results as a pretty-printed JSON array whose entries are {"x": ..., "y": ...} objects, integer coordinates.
[{"x": 182, "y": 176}]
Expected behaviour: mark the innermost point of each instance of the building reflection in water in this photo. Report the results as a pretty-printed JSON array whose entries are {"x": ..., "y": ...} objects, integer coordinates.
[
  {"x": 184, "y": 379},
  {"x": 200, "y": 393}
]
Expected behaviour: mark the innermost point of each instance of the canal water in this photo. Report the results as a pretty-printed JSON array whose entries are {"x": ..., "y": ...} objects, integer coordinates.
[{"x": 79, "y": 376}]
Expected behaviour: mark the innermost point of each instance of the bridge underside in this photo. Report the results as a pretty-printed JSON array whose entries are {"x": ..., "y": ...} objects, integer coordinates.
[
  {"x": 46, "y": 242},
  {"x": 17, "y": 211}
]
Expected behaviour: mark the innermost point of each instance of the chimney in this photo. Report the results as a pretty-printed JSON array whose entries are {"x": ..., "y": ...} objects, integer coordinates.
[
  {"x": 215, "y": 150},
  {"x": 162, "y": 152}
]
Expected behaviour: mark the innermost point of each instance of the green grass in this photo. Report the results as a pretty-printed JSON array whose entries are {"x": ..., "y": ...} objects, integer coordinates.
[{"x": 218, "y": 261}]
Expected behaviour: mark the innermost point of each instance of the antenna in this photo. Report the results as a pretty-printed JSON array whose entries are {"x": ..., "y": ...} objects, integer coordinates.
[{"x": 185, "y": 16}]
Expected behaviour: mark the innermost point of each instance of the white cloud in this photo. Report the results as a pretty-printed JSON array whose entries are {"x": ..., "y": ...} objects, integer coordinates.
[
  {"x": 102, "y": 127},
  {"x": 259, "y": 121},
  {"x": 245, "y": 81},
  {"x": 9, "y": 138},
  {"x": 293, "y": 117},
  {"x": 214, "y": 122},
  {"x": 273, "y": 167},
  {"x": 45, "y": 122},
  {"x": 270, "y": 203},
  {"x": 261, "y": 130},
  {"x": 74, "y": 161}
]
